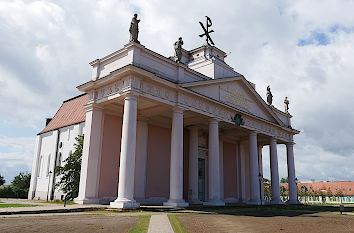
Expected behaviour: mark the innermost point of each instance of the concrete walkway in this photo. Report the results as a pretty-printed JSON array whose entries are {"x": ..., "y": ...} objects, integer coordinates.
[{"x": 160, "y": 224}]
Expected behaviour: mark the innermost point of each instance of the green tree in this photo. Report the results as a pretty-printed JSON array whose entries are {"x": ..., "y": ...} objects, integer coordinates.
[
  {"x": 20, "y": 185},
  {"x": 339, "y": 193},
  {"x": 2, "y": 180},
  {"x": 284, "y": 180},
  {"x": 69, "y": 174},
  {"x": 329, "y": 193}
]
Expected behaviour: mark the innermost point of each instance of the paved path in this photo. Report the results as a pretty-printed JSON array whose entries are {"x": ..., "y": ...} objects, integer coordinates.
[{"x": 160, "y": 224}]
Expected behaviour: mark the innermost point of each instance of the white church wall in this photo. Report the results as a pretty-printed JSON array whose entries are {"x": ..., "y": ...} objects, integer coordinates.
[{"x": 48, "y": 159}]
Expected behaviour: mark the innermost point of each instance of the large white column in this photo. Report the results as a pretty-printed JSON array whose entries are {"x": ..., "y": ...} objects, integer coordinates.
[
  {"x": 254, "y": 181},
  {"x": 176, "y": 165},
  {"x": 193, "y": 166},
  {"x": 91, "y": 156},
  {"x": 274, "y": 172},
  {"x": 221, "y": 167},
  {"x": 260, "y": 168},
  {"x": 127, "y": 156},
  {"x": 242, "y": 164},
  {"x": 291, "y": 174},
  {"x": 37, "y": 152},
  {"x": 140, "y": 160},
  {"x": 214, "y": 167}
]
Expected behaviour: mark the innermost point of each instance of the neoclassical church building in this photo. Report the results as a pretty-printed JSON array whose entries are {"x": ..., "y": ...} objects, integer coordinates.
[{"x": 166, "y": 131}]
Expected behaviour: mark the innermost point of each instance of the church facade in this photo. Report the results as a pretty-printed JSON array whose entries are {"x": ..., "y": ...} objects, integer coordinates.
[{"x": 169, "y": 133}]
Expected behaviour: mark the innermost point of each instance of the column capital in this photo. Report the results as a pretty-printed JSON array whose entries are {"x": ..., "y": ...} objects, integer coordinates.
[
  {"x": 178, "y": 109},
  {"x": 288, "y": 144},
  {"x": 130, "y": 96},
  {"x": 273, "y": 139},
  {"x": 193, "y": 127},
  {"x": 213, "y": 121},
  {"x": 92, "y": 106},
  {"x": 253, "y": 133}
]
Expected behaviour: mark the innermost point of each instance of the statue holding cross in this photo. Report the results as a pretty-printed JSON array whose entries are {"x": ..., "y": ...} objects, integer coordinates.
[{"x": 206, "y": 30}]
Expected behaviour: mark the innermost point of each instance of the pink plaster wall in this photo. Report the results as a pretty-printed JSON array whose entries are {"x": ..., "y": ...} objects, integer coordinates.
[
  {"x": 247, "y": 171},
  {"x": 112, "y": 131},
  {"x": 158, "y": 162},
  {"x": 185, "y": 163},
  {"x": 230, "y": 170}
]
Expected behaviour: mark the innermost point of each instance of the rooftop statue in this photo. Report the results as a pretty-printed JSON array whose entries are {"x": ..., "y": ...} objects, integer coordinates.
[
  {"x": 269, "y": 96},
  {"x": 206, "y": 30},
  {"x": 286, "y": 105},
  {"x": 178, "y": 49},
  {"x": 134, "y": 29}
]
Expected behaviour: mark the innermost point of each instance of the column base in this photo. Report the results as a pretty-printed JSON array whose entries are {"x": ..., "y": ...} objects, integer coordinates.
[
  {"x": 176, "y": 203},
  {"x": 293, "y": 202},
  {"x": 214, "y": 203},
  {"x": 276, "y": 202},
  {"x": 86, "y": 201},
  {"x": 195, "y": 202},
  {"x": 231, "y": 200},
  {"x": 124, "y": 204},
  {"x": 253, "y": 202}
]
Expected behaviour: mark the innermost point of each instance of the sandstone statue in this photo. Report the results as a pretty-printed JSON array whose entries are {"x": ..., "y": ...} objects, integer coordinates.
[
  {"x": 269, "y": 96},
  {"x": 134, "y": 29},
  {"x": 286, "y": 105},
  {"x": 178, "y": 49}
]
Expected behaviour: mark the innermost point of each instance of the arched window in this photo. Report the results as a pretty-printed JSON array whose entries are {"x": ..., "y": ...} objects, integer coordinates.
[{"x": 59, "y": 159}]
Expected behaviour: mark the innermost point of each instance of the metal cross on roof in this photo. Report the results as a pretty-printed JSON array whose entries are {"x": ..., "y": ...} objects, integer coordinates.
[{"x": 206, "y": 30}]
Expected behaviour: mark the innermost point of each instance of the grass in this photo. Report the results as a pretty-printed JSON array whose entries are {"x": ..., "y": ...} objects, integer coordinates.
[
  {"x": 143, "y": 224},
  {"x": 15, "y": 205},
  {"x": 176, "y": 224}
]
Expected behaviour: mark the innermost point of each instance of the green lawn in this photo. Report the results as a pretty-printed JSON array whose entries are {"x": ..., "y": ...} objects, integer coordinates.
[
  {"x": 143, "y": 224},
  {"x": 15, "y": 205},
  {"x": 176, "y": 224}
]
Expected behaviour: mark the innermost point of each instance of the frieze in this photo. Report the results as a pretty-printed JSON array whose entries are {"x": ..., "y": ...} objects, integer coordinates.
[{"x": 194, "y": 102}]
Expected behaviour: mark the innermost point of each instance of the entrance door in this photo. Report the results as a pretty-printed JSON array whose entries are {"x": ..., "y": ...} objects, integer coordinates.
[{"x": 201, "y": 179}]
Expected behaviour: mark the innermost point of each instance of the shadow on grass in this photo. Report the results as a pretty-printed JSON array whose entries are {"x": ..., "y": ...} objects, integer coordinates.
[{"x": 256, "y": 211}]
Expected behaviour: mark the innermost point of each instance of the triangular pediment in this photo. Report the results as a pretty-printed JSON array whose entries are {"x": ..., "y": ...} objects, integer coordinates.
[{"x": 236, "y": 92}]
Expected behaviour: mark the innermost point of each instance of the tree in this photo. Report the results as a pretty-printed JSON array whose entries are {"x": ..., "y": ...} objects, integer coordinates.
[
  {"x": 2, "y": 180},
  {"x": 20, "y": 185},
  {"x": 329, "y": 193},
  {"x": 69, "y": 174},
  {"x": 284, "y": 180}
]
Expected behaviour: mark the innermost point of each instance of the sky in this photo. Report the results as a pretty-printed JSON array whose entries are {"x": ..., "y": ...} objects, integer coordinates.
[{"x": 302, "y": 49}]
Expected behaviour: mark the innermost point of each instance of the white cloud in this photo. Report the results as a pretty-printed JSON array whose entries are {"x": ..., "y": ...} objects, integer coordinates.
[{"x": 45, "y": 47}]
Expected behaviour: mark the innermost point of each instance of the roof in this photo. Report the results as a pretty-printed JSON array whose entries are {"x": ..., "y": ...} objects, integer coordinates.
[
  {"x": 71, "y": 112},
  {"x": 346, "y": 187}
]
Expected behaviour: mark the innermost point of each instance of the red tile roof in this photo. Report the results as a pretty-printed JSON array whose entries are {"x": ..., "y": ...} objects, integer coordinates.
[
  {"x": 346, "y": 187},
  {"x": 72, "y": 111}
]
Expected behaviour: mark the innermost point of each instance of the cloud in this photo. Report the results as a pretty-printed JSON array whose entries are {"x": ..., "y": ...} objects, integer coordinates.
[
  {"x": 16, "y": 154},
  {"x": 302, "y": 49}
]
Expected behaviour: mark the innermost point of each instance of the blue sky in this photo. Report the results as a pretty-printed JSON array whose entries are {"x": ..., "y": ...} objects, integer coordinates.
[{"x": 293, "y": 46}]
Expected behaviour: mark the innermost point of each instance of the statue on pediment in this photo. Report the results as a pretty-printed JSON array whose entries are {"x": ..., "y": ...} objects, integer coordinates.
[
  {"x": 178, "y": 49},
  {"x": 286, "y": 105},
  {"x": 269, "y": 96},
  {"x": 134, "y": 29}
]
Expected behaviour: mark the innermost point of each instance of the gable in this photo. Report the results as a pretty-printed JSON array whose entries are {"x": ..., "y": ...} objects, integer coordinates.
[{"x": 238, "y": 94}]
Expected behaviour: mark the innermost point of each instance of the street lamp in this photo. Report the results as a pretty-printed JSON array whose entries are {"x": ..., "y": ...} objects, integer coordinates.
[{"x": 260, "y": 178}]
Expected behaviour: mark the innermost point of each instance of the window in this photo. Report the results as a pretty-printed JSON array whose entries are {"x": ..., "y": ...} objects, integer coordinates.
[
  {"x": 343, "y": 189},
  {"x": 350, "y": 189},
  {"x": 59, "y": 159},
  {"x": 48, "y": 165}
]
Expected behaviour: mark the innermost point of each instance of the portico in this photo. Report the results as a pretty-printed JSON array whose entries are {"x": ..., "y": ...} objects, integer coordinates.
[{"x": 167, "y": 135}]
